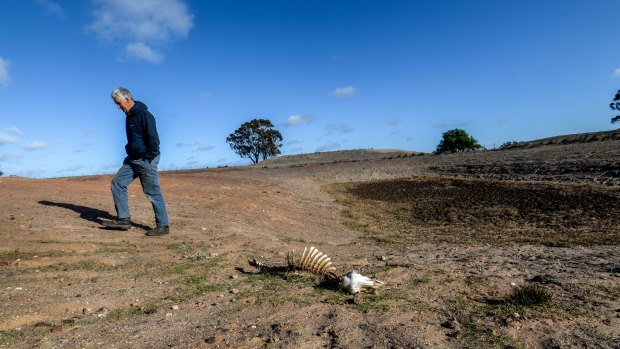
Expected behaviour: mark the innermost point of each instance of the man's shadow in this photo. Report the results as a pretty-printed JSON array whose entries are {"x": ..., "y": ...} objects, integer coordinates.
[{"x": 88, "y": 213}]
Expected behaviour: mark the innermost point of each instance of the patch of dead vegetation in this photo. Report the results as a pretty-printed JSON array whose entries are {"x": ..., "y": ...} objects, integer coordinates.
[{"x": 427, "y": 209}]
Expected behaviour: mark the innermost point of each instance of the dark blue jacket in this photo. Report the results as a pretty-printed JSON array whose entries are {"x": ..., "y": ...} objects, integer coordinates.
[{"x": 142, "y": 137}]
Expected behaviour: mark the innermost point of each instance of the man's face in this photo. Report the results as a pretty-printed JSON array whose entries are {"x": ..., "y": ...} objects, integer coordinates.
[{"x": 123, "y": 103}]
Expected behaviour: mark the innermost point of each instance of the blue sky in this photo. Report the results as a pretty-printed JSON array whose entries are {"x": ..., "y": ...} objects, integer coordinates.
[{"x": 330, "y": 75}]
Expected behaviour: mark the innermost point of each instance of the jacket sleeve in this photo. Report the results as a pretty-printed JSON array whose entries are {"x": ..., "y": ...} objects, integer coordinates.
[{"x": 150, "y": 136}]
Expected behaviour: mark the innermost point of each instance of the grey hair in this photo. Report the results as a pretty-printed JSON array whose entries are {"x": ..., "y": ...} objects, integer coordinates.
[{"x": 121, "y": 92}]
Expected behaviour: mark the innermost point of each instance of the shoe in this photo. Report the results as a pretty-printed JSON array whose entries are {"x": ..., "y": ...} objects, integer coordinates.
[
  {"x": 158, "y": 231},
  {"x": 119, "y": 224}
]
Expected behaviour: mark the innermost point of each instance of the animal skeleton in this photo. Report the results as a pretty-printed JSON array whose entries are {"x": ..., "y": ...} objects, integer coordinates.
[{"x": 318, "y": 263}]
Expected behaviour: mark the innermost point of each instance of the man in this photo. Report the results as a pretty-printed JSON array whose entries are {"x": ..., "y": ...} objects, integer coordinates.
[{"x": 142, "y": 158}]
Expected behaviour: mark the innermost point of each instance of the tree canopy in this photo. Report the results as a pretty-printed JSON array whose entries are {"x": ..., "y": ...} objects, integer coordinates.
[
  {"x": 256, "y": 139},
  {"x": 457, "y": 140},
  {"x": 615, "y": 105}
]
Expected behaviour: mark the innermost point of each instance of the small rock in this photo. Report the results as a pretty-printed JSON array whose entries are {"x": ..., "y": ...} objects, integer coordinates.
[
  {"x": 175, "y": 307},
  {"x": 102, "y": 312},
  {"x": 68, "y": 321},
  {"x": 42, "y": 324},
  {"x": 86, "y": 311},
  {"x": 57, "y": 329},
  {"x": 234, "y": 291},
  {"x": 234, "y": 277},
  {"x": 516, "y": 315},
  {"x": 168, "y": 314},
  {"x": 203, "y": 228},
  {"x": 210, "y": 340},
  {"x": 213, "y": 254}
]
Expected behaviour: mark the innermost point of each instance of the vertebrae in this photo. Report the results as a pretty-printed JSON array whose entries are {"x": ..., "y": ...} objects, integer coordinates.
[{"x": 315, "y": 262}]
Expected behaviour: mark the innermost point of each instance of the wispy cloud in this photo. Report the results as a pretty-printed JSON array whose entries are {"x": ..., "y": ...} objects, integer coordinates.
[
  {"x": 10, "y": 157},
  {"x": 73, "y": 168},
  {"x": 338, "y": 128},
  {"x": 9, "y": 135},
  {"x": 206, "y": 95},
  {"x": 456, "y": 124},
  {"x": 185, "y": 145},
  {"x": 52, "y": 8},
  {"x": 343, "y": 92},
  {"x": 617, "y": 73},
  {"x": 110, "y": 166},
  {"x": 205, "y": 148},
  {"x": 393, "y": 121},
  {"x": 328, "y": 147},
  {"x": 142, "y": 26},
  {"x": 293, "y": 142},
  {"x": 144, "y": 52},
  {"x": 36, "y": 145},
  {"x": 4, "y": 71},
  {"x": 295, "y": 120}
]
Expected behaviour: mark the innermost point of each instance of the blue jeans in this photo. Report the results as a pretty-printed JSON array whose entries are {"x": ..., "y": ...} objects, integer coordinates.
[{"x": 147, "y": 172}]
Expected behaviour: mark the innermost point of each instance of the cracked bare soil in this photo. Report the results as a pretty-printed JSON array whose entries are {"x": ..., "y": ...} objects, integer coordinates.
[{"x": 449, "y": 265}]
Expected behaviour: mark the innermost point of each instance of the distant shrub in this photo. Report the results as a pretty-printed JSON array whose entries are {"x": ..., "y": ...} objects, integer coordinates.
[{"x": 508, "y": 145}]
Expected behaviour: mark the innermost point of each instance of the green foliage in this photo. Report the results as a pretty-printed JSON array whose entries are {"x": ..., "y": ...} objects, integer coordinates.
[
  {"x": 255, "y": 139},
  {"x": 457, "y": 140},
  {"x": 508, "y": 145},
  {"x": 615, "y": 105}
]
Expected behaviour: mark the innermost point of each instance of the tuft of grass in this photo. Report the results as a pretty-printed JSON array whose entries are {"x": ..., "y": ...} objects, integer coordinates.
[
  {"x": 11, "y": 337},
  {"x": 529, "y": 295},
  {"x": 614, "y": 292}
]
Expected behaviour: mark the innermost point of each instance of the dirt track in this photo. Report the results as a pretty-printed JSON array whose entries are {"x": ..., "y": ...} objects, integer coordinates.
[{"x": 67, "y": 283}]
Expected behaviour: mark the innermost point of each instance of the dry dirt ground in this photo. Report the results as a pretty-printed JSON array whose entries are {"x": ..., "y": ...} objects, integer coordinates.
[{"x": 455, "y": 238}]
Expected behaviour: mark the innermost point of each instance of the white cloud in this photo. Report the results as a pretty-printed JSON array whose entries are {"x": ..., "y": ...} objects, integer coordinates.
[
  {"x": 342, "y": 92},
  {"x": 340, "y": 128},
  {"x": 9, "y": 135},
  {"x": 144, "y": 52},
  {"x": 4, "y": 71},
  {"x": 328, "y": 147},
  {"x": 36, "y": 145},
  {"x": 142, "y": 25},
  {"x": 52, "y": 8},
  {"x": 617, "y": 73},
  {"x": 295, "y": 120}
]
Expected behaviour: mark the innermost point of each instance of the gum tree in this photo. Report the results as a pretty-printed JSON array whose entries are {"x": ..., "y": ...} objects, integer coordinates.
[
  {"x": 457, "y": 140},
  {"x": 256, "y": 139}
]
